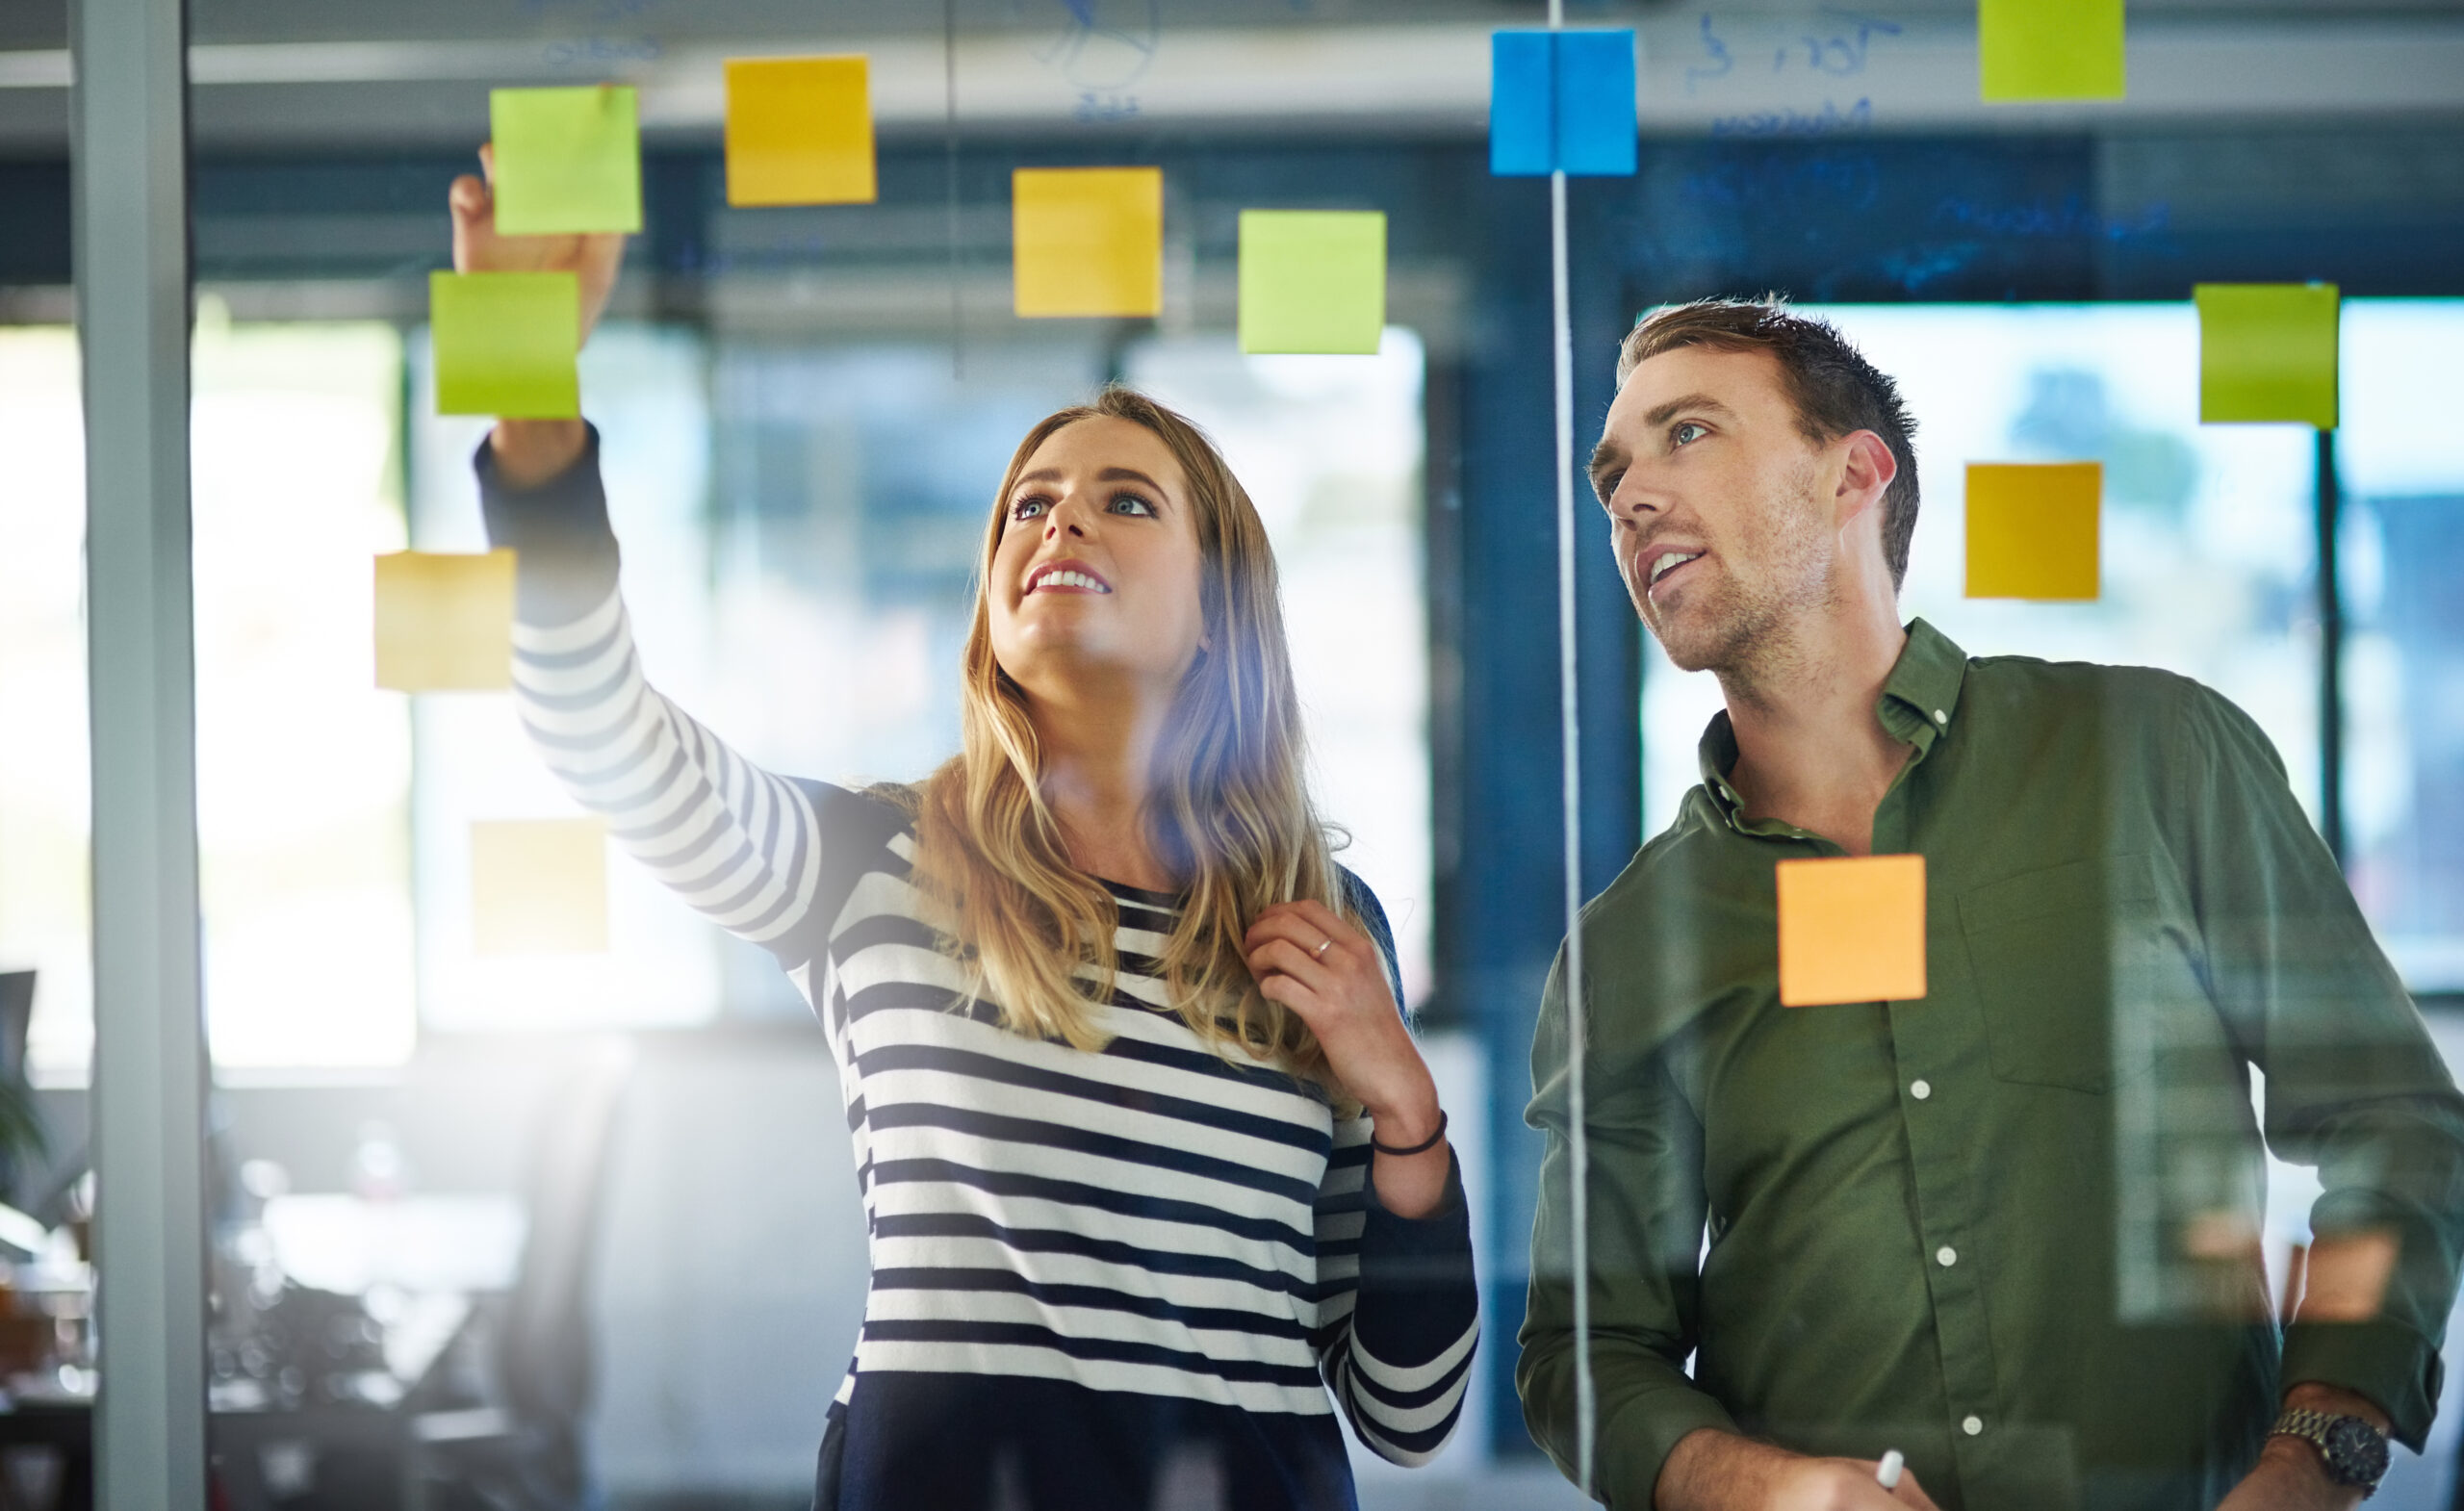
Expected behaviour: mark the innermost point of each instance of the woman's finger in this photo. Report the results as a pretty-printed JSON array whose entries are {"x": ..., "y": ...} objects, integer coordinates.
[
  {"x": 1284, "y": 957},
  {"x": 1284, "y": 991},
  {"x": 488, "y": 162},
  {"x": 1334, "y": 925},
  {"x": 1293, "y": 928},
  {"x": 469, "y": 195}
]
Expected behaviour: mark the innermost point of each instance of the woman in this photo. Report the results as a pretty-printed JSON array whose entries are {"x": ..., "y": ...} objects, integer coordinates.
[{"x": 1151, "y": 1162}]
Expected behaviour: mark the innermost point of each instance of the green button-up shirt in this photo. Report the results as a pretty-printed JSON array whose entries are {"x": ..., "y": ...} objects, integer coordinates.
[{"x": 2011, "y": 1229}]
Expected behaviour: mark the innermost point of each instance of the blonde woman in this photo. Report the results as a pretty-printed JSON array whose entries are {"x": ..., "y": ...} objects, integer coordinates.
[{"x": 1156, "y": 1179}]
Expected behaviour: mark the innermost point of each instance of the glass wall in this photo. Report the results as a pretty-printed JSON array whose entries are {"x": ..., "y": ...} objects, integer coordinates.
[{"x": 640, "y": 1153}]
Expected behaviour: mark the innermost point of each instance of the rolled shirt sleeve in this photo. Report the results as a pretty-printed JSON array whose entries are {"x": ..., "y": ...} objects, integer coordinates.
[{"x": 2354, "y": 1085}]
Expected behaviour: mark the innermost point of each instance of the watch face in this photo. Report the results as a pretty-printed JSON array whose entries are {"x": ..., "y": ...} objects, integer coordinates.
[{"x": 2356, "y": 1454}]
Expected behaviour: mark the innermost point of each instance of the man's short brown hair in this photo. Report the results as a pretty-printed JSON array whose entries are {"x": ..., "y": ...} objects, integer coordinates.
[{"x": 1836, "y": 392}]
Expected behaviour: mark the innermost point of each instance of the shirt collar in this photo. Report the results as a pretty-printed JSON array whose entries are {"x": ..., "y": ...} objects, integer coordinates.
[{"x": 1920, "y": 699}]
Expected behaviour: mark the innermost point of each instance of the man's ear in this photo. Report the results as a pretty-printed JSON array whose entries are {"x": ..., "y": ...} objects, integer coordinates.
[{"x": 1866, "y": 475}]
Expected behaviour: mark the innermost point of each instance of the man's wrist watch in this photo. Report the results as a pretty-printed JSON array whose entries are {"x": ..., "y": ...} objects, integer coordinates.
[{"x": 2354, "y": 1451}]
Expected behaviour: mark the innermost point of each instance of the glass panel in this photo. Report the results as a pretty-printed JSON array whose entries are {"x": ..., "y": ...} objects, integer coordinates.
[
  {"x": 303, "y": 767},
  {"x": 45, "y": 895},
  {"x": 2402, "y": 558}
]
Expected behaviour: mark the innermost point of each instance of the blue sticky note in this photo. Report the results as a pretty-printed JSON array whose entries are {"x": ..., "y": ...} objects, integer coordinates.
[
  {"x": 1562, "y": 101},
  {"x": 1522, "y": 137},
  {"x": 1596, "y": 125}
]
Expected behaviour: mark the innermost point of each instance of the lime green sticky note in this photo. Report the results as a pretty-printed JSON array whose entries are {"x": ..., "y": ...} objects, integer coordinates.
[
  {"x": 2049, "y": 50},
  {"x": 2032, "y": 529},
  {"x": 1312, "y": 280},
  {"x": 2266, "y": 352},
  {"x": 506, "y": 343},
  {"x": 567, "y": 160}
]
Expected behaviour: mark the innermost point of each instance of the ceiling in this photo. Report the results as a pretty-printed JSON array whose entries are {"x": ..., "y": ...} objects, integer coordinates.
[{"x": 291, "y": 73}]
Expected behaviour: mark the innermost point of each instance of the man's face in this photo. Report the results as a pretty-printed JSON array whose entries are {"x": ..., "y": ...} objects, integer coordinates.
[{"x": 1718, "y": 504}]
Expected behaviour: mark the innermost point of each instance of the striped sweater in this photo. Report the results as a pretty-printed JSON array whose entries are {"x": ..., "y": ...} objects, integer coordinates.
[{"x": 1144, "y": 1275}]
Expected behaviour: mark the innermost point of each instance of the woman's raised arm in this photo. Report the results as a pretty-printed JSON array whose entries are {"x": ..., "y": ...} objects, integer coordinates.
[
  {"x": 739, "y": 843},
  {"x": 530, "y": 451}
]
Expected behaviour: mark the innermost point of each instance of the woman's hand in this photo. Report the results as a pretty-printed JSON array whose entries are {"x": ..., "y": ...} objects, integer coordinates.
[
  {"x": 1308, "y": 959},
  {"x": 532, "y": 450}
]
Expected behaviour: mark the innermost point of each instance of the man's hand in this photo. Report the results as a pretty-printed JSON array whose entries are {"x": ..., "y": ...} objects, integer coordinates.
[
  {"x": 2290, "y": 1475},
  {"x": 1721, "y": 1471}
]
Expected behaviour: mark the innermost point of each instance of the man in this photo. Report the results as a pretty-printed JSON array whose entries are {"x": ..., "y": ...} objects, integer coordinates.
[{"x": 2011, "y": 1229}]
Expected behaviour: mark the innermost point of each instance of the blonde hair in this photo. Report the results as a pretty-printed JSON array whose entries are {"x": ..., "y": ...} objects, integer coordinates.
[{"x": 1229, "y": 813}]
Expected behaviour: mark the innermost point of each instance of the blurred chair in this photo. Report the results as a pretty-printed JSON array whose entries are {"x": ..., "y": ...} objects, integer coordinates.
[{"x": 519, "y": 1447}]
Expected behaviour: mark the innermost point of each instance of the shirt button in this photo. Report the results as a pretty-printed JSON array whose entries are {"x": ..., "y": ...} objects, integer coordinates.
[
  {"x": 1947, "y": 1256},
  {"x": 1972, "y": 1425},
  {"x": 1939, "y": 717},
  {"x": 1920, "y": 1089}
]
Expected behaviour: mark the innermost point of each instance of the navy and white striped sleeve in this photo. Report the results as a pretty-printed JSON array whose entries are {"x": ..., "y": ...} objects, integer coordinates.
[
  {"x": 737, "y": 843},
  {"x": 1400, "y": 1314}
]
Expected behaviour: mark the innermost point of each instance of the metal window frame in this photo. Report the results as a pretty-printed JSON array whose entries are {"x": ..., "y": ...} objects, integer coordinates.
[{"x": 129, "y": 175}]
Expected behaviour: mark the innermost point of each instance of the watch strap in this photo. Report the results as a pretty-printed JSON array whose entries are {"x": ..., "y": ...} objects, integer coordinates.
[{"x": 2313, "y": 1426}]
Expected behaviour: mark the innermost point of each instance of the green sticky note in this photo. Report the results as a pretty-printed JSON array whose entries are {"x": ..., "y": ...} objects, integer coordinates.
[
  {"x": 1312, "y": 280},
  {"x": 2049, "y": 50},
  {"x": 506, "y": 343},
  {"x": 567, "y": 160},
  {"x": 2266, "y": 352}
]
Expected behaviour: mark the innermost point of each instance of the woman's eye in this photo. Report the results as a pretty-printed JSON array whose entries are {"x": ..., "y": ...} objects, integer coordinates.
[
  {"x": 1688, "y": 430},
  {"x": 1131, "y": 503},
  {"x": 1028, "y": 508}
]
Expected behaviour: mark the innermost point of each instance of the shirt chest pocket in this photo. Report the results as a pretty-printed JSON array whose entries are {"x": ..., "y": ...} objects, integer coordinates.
[{"x": 2043, "y": 946}]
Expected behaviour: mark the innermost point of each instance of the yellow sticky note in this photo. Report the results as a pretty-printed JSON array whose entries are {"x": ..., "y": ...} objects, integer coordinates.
[
  {"x": 1852, "y": 929},
  {"x": 800, "y": 131},
  {"x": 1312, "y": 280},
  {"x": 2266, "y": 352},
  {"x": 566, "y": 160},
  {"x": 539, "y": 885},
  {"x": 1088, "y": 241},
  {"x": 506, "y": 343},
  {"x": 445, "y": 624},
  {"x": 2049, "y": 50},
  {"x": 2033, "y": 530}
]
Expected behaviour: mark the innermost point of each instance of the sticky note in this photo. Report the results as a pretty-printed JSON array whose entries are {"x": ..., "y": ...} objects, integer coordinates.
[
  {"x": 566, "y": 160},
  {"x": 2033, "y": 530},
  {"x": 800, "y": 131},
  {"x": 2267, "y": 351},
  {"x": 1852, "y": 929},
  {"x": 506, "y": 343},
  {"x": 1312, "y": 280},
  {"x": 1088, "y": 241},
  {"x": 445, "y": 624},
  {"x": 2049, "y": 50},
  {"x": 1562, "y": 100},
  {"x": 539, "y": 885}
]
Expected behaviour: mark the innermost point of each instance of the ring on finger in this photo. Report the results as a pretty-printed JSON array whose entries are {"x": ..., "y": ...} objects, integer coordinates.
[{"x": 1323, "y": 945}]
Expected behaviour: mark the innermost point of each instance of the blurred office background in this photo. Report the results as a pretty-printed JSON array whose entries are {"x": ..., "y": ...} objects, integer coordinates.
[{"x": 638, "y": 1161}]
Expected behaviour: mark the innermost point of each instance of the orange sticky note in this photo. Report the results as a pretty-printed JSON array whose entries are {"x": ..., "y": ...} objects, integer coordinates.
[
  {"x": 2033, "y": 530},
  {"x": 800, "y": 131},
  {"x": 445, "y": 624},
  {"x": 1852, "y": 929},
  {"x": 539, "y": 885},
  {"x": 1088, "y": 241}
]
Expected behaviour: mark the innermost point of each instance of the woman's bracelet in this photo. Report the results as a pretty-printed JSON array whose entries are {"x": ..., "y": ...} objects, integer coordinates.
[{"x": 1421, "y": 1148}]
